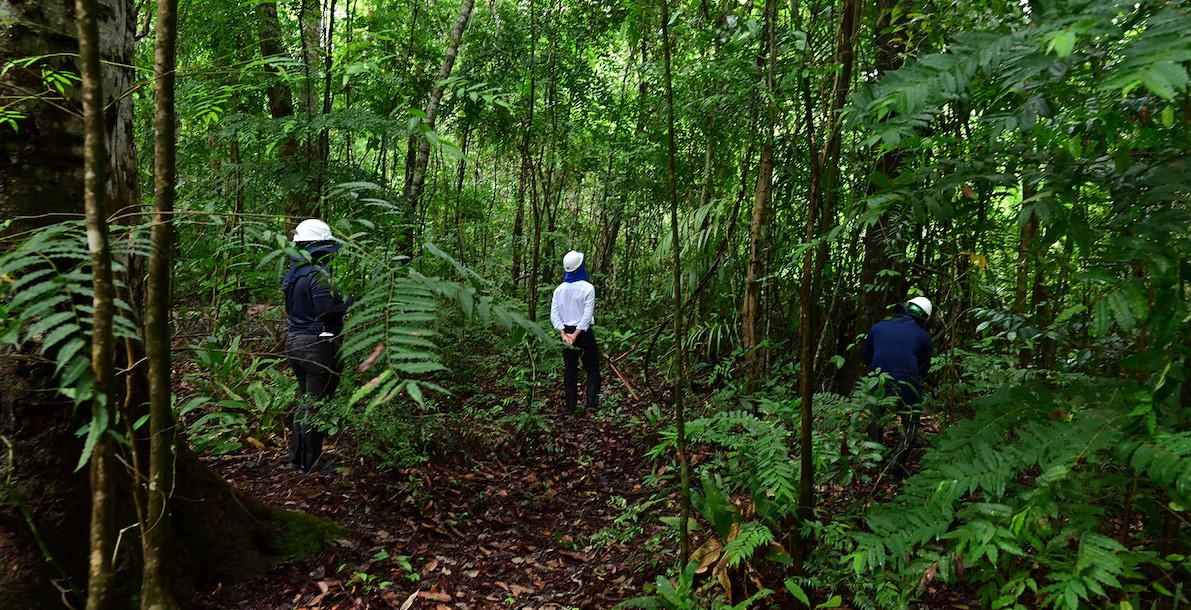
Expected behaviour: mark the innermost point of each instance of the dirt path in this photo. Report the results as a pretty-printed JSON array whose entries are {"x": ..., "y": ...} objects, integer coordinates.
[{"x": 532, "y": 529}]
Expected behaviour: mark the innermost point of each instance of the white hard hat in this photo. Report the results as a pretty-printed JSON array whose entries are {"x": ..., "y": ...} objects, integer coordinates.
[
  {"x": 312, "y": 229},
  {"x": 922, "y": 304},
  {"x": 572, "y": 261}
]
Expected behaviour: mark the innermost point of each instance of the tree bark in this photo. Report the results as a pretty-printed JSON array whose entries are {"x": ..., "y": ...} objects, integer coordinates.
[
  {"x": 422, "y": 160},
  {"x": 219, "y": 534},
  {"x": 758, "y": 238},
  {"x": 820, "y": 197},
  {"x": 758, "y": 235},
  {"x": 101, "y": 572},
  {"x": 281, "y": 98},
  {"x": 156, "y": 584},
  {"x": 523, "y": 180},
  {"x": 684, "y": 468},
  {"x": 876, "y": 292}
]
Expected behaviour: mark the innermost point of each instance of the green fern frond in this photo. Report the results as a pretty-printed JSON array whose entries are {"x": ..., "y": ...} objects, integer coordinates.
[
  {"x": 1164, "y": 457},
  {"x": 49, "y": 300},
  {"x": 752, "y": 536}
]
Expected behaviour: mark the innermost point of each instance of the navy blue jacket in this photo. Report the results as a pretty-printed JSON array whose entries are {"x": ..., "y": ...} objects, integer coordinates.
[
  {"x": 312, "y": 307},
  {"x": 900, "y": 347}
]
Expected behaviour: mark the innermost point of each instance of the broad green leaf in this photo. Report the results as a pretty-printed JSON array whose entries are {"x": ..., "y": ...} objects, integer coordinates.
[{"x": 1062, "y": 44}]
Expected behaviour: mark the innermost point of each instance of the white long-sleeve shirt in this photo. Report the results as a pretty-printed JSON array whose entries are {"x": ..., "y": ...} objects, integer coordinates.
[{"x": 573, "y": 305}]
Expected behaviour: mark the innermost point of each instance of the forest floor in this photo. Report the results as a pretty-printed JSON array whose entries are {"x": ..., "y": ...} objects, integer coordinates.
[
  {"x": 557, "y": 518},
  {"x": 531, "y": 529}
]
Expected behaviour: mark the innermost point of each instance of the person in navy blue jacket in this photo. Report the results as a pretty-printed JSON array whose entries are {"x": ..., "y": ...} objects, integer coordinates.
[
  {"x": 900, "y": 347},
  {"x": 312, "y": 341}
]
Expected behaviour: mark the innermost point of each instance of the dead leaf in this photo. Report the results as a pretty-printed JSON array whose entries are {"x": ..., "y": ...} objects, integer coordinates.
[
  {"x": 707, "y": 554},
  {"x": 323, "y": 587},
  {"x": 518, "y": 590},
  {"x": 409, "y": 601},
  {"x": 367, "y": 363},
  {"x": 430, "y": 567},
  {"x": 721, "y": 574},
  {"x": 576, "y": 556},
  {"x": 434, "y": 597}
]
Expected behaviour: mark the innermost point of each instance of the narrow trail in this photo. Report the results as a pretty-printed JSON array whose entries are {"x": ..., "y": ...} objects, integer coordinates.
[{"x": 530, "y": 527}]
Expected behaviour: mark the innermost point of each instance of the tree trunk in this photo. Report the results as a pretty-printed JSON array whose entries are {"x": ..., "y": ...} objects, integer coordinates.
[
  {"x": 523, "y": 180},
  {"x": 101, "y": 571},
  {"x": 219, "y": 534},
  {"x": 758, "y": 235},
  {"x": 281, "y": 99},
  {"x": 422, "y": 159},
  {"x": 876, "y": 292},
  {"x": 156, "y": 585},
  {"x": 684, "y": 468},
  {"x": 758, "y": 242},
  {"x": 535, "y": 260},
  {"x": 460, "y": 242},
  {"x": 819, "y": 213}
]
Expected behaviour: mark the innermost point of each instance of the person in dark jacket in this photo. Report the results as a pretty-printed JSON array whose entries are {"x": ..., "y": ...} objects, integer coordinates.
[
  {"x": 901, "y": 348},
  {"x": 312, "y": 342}
]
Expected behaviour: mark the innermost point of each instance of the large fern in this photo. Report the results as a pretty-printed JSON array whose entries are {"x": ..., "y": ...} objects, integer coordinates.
[
  {"x": 48, "y": 294},
  {"x": 1003, "y": 495}
]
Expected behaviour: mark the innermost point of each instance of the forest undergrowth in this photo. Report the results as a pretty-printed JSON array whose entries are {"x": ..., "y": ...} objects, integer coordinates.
[{"x": 505, "y": 500}]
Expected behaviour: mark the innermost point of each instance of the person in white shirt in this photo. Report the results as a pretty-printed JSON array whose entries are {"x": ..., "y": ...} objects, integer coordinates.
[{"x": 572, "y": 312}]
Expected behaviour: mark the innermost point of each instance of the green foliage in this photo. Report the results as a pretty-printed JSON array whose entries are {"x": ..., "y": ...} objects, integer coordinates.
[
  {"x": 1015, "y": 499},
  {"x": 48, "y": 296},
  {"x": 239, "y": 397},
  {"x": 682, "y": 594}
]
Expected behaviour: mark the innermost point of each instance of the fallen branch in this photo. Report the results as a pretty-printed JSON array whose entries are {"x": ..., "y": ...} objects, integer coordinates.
[{"x": 625, "y": 381}]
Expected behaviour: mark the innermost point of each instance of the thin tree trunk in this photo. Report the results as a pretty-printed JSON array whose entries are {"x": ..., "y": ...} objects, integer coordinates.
[
  {"x": 535, "y": 261},
  {"x": 684, "y": 535},
  {"x": 422, "y": 159},
  {"x": 523, "y": 179},
  {"x": 100, "y": 579},
  {"x": 519, "y": 226},
  {"x": 281, "y": 98},
  {"x": 876, "y": 292},
  {"x": 819, "y": 213},
  {"x": 156, "y": 589},
  {"x": 310, "y": 26},
  {"x": 324, "y": 136},
  {"x": 459, "y": 233},
  {"x": 758, "y": 236}
]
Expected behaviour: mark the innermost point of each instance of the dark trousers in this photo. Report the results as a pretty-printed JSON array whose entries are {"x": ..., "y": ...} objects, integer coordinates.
[
  {"x": 584, "y": 349},
  {"x": 910, "y": 416},
  {"x": 315, "y": 362}
]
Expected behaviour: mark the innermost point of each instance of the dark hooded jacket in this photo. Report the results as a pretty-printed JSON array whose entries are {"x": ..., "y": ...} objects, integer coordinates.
[
  {"x": 312, "y": 306},
  {"x": 901, "y": 347}
]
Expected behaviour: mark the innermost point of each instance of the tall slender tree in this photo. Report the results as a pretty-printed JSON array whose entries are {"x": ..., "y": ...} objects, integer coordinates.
[
  {"x": 684, "y": 535},
  {"x": 156, "y": 584},
  {"x": 417, "y": 184},
  {"x": 101, "y": 574}
]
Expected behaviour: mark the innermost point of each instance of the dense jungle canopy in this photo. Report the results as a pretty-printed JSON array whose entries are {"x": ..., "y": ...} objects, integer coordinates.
[{"x": 754, "y": 185}]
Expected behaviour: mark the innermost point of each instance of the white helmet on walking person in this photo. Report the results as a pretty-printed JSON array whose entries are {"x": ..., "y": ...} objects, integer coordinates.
[
  {"x": 572, "y": 261},
  {"x": 920, "y": 307},
  {"x": 312, "y": 229},
  {"x": 315, "y": 236}
]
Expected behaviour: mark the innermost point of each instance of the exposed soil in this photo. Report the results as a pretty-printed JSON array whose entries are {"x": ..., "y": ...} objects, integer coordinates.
[{"x": 521, "y": 531}]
